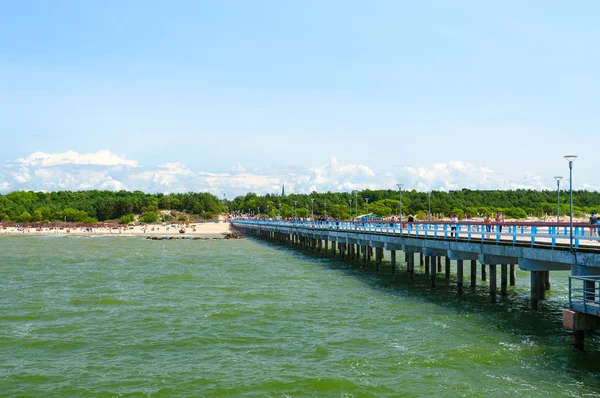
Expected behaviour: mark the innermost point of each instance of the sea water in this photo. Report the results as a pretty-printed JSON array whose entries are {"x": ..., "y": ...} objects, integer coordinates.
[{"x": 126, "y": 317}]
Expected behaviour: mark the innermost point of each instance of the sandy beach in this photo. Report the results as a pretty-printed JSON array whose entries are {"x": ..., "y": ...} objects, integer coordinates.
[{"x": 209, "y": 230}]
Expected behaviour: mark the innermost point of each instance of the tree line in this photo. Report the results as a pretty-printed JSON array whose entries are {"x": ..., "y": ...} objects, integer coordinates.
[
  {"x": 94, "y": 206},
  {"x": 519, "y": 203}
]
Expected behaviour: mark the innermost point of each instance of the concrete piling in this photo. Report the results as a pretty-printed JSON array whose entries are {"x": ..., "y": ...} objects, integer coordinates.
[
  {"x": 493, "y": 278},
  {"x": 459, "y": 276},
  {"x": 503, "y": 279}
]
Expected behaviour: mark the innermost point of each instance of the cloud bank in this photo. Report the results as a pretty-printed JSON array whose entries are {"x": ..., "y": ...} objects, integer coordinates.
[{"x": 105, "y": 170}]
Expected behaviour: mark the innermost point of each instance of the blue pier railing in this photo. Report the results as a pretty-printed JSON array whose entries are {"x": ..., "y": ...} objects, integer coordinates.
[{"x": 538, "y": 233}]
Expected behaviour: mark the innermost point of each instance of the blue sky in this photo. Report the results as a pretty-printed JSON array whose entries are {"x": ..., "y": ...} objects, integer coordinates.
[{"x": 231, "y": 96}]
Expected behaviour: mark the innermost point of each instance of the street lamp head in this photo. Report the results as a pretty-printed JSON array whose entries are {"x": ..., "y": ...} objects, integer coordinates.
[
  {"x": 399, "y": 186},
  {"x": 558, "y": 178},
  {"x": 570, "y": 158}
]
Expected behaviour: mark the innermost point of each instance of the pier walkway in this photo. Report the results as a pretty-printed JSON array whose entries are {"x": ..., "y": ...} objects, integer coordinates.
[{"x": 538, "y": 248}]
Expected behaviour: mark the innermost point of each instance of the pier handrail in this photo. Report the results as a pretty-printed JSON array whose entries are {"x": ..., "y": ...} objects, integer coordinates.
[
  {"x": 537, "y": 233},
  {"x": 586, "y": 298}
]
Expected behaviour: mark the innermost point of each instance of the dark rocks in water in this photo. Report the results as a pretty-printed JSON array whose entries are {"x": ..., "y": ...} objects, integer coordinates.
[
  {"x": 230, "y": 235},
  {"x": 225, "y": 236}
]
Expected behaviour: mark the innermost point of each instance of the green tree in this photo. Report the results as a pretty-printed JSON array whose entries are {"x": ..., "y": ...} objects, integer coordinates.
[
  {"x": 127, "y": 218},
  {"x": 149, "y": 217}
]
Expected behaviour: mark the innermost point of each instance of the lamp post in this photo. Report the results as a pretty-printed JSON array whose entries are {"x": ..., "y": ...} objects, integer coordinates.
[
  {"x": 267, "y": 211},
  {"x": 312, "y": 210},
  {"x": 295, "y": 201},
  {"x": 257, "y": 211},
  {"x": 356, "y": 202},
  {"x": 307, "y": 210},
  {"x": 367, "y": 200},
  {"x": 325, "y": 211},
  {"x": 429, "y": 205},
  {"x": 280, "y": 214},
  {"x": 570, "y": 159},
  {"x": 558, "y": 178},
  {"x": 400, "y": 190}
]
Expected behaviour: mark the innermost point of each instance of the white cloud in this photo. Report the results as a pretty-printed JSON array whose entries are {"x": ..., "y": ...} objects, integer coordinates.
[
  {"x": 104, "y": 170},
  {"x": 100, "y": 158}
]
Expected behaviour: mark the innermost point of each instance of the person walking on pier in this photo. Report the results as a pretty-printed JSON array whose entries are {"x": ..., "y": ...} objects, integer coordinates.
[
  {"x": 499, "y": 221},
  {"x": 454, "y": 221},
  {"x": 488, "y": 225},
  {"x": 593, "y": 221}
]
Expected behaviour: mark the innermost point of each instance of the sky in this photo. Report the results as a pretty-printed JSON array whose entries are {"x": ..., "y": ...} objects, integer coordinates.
[{"x": 237, "y": 96}]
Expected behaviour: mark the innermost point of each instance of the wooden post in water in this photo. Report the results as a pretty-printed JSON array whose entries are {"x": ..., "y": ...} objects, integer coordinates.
[
  {"x": 421, "y": 259},
  {"x": 473, "y": 273},
  {"x": 377, "y": 258},
  {"x": 492, "y": 282},
  {"x": 411, "y": 266},
  {"x": 433, "y": 270},
  {"x": 365, "y": 259},
  {"x": 503, "y": 279},
  {"x": 547, "y": 280},
  {"x": 393, "y": 257},
  {"x": 439, "y": 263},
  {"x": 459, "y": 276},
  {"x": 326, "y": 248},
  {"x": 447, "y": 269},
  {"x": 512, "y": 275},
  {"x": 427, "y": 259},
  {"x": 333, "y": 244}
]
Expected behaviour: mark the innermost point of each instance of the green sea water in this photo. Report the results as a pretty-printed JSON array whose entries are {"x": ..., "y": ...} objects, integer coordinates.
[{"x": 87, "y": 316}]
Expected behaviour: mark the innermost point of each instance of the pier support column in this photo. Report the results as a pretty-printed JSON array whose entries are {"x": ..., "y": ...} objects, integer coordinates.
[
  {"x": 393, "y": 258},
  {"x": 503, "y": 279},
  {"x": 377, "y": 258},
  {"x": 447, "y": 269},
  {"x": 473, "y": 273},
  {"x": 439, "y": 263},
  {"x": 433, "y": 270},
  {"x": 421, "y": 259},
  {"x": 333, "y": 244},
  {"x": 351, "y": 253},
  {"x": 326, "y": 248},
  {"x": 547, "y": 280},
  {"x": 459, "y": 276},
  {"x": 537, "y": 288},
  {"x": 579, "y": 322},
  {"x": 411, "y": 266},
  {"x": 513, "y": 277},
  {"x": 493, "y": 280},
  {"x": 427, "y": 259},
  {"x": 365, "y": 259},
  {"x": 319, "y": 245},
  {"x": 343, "y": 250},
  {"x": 483, "y": 273}
]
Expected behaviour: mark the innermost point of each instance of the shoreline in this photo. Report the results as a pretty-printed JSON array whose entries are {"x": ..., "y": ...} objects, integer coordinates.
[{"x": 213, "y": 230}]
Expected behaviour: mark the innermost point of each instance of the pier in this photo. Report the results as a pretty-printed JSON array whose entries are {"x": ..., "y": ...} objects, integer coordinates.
[{"x": 538, "y": 248}]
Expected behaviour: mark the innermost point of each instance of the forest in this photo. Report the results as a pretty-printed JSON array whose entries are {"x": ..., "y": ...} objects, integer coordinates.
[{"x": 94, "y": 206}]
